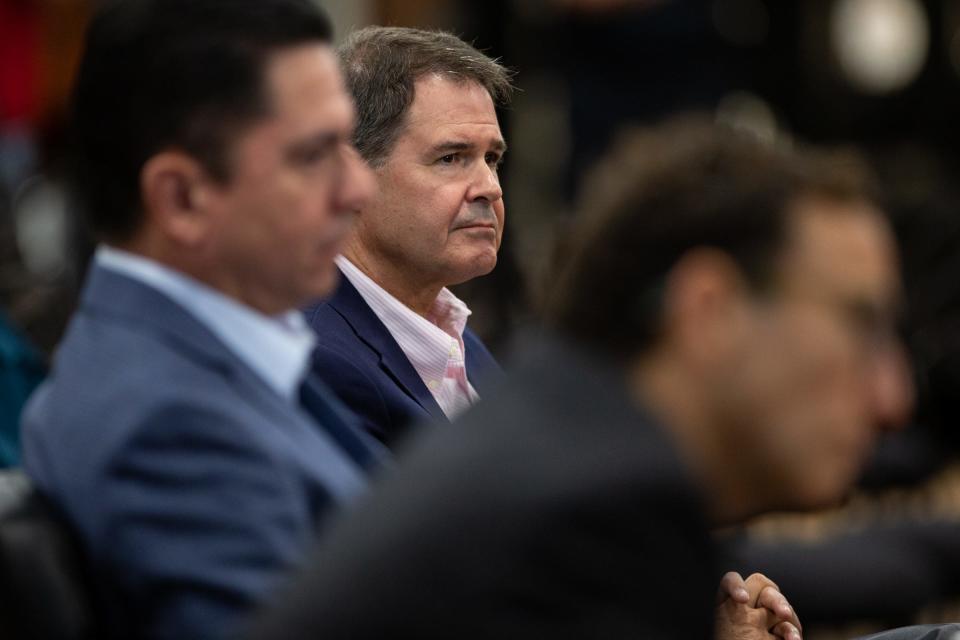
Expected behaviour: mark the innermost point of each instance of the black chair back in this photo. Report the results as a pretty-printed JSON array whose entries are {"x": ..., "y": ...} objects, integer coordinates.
[{"x": 43, "y": 593}]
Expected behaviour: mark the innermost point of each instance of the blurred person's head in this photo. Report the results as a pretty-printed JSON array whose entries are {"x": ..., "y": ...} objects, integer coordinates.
[
  {"x": 750, "y": 294},
  {"x": 215, "y": 137},
  {"x": 427, "y": 124}
]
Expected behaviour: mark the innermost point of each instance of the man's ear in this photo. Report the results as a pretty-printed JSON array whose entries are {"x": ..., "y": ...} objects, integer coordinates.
[
  {"x": 174, "y": 189},
  {"x": 705, "y": 306}
]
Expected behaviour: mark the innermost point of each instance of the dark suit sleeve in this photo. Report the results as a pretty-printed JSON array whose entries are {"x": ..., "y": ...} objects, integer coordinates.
[
  {"x": 200, "y": 522},
  {"x": 355, "y": 389},
  {"x": 884, "y": 572},
  {"x": 456, "y": 550},
  {"x": 452, "y": 578},
  {"x": 921, "y": 632}
]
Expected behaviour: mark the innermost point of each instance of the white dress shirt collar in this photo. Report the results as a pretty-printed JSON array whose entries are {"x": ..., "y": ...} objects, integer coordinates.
[
  {"x": 434, "y": 347},
  {"x": 276, "y": 348}
]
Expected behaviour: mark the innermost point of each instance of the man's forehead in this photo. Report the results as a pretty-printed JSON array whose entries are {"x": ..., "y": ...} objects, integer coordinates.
[
  {"x": 449, "y": 137},
  {"x": 307, "y": 104},
  {"x": 440, "y": 100},
  {"x": 305, "y": 88},
  {"x": 291, "y": 71},
  {"x": 842, "y": 245}
]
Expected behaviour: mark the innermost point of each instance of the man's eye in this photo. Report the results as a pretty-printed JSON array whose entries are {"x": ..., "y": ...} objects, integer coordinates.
[
  {"x": 312, "y": 152},
  {"x": 311, "y": 155},
  {"x": 493, "y": 159},
  {"x": 450, "y": 158}
]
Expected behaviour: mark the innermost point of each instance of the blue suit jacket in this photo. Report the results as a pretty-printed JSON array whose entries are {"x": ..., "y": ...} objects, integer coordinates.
[
  {"x": 191, "y": 483},
  {"x": 361, "y": 361}
]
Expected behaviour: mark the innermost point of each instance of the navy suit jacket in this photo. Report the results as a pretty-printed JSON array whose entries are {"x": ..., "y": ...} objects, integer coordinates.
[
  {"x": 560, "y": 510},
  {"x": 360, "y": 360},
  {"x": 191, "y": 483},
  {"x": 946, "y": 631}
]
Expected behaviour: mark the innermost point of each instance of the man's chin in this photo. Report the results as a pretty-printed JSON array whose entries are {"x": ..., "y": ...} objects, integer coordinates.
[
  {"x": 324, "y": 285},
  {"x": 476, "y": 268},
  {"x": 825, "y": 495}
]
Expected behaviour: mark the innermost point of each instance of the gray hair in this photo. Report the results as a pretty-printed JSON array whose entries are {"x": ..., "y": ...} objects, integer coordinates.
[{"x": 381, "y": 66}]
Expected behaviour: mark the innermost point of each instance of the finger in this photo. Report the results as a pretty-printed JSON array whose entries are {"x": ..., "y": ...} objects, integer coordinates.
[
  {"x": 733, "y": 586},
  {"x": 735, "y": 620},
  {"x": 756, "y": 583},
  {"x": 774, "y": 601},
  {"x": 786, "y": 631}
]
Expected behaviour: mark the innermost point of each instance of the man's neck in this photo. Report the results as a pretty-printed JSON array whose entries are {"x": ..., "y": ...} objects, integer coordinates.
[
  {"x": 203, "y": 269},
  {"x": 417, "y": 297},
  {"x": 669, "y": 394}
]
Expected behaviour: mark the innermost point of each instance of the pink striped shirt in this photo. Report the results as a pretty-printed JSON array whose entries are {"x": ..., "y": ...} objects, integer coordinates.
[{"x": 434, "y": 345}]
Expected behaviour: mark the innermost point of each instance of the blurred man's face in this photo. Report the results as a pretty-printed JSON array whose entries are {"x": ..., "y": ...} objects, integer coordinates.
[
  {"x": 821, "y": 369},
  {"x": 295, "y": 182},
  {"x": 437, "y": 216}
]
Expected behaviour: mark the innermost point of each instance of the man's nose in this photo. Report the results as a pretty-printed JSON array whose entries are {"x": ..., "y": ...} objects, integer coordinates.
[
  {"x": 485, "y": 184},
  {"x": 358, "y": 180},
  {"x": 892, "y": 392}
]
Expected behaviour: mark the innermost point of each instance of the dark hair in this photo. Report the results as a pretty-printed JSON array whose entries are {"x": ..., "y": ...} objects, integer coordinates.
[
  {"x": 665, "y": 191},
  {"x": 381, "y": 66},
  {"x": 159, "y": 74}
]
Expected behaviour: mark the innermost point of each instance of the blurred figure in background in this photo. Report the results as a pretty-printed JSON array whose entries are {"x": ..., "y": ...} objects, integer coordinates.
[
  {"x": 21, "y": 370},
  {"x": 176, "y": 432},
  {"x": 39, "y": 44},
  {"x": 19, "y": 90},
  {"x": 724, "y": 346},
  {"x": 394, "y": 344},
  {"x": 889, "y": 556}
]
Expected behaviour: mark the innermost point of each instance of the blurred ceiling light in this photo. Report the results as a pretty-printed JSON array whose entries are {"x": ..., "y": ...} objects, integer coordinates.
[
  {"x": 41, "y": 225},
  {"x": 748, "y": 112},
  {"x": 881, "y": 44},
  {"x": 743, "y": 23}
]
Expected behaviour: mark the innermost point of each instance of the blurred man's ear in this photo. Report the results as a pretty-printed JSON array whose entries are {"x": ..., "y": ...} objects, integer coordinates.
[
  {"x": 174, "y": 189},
  {"x": 705, "y": 307}
]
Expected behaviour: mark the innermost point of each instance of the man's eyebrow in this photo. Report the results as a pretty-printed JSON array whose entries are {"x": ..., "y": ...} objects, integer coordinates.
[
  {"x": 451, "y": 146},
  {"x": 872, "y": 314},
  {"x": 311, "y": 143}
]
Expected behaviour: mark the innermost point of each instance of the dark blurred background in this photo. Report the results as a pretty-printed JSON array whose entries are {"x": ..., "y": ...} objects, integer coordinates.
[{"x": 879, "y": 75}]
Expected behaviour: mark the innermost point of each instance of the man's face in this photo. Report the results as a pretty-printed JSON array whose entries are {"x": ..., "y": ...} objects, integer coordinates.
[
  {"x": 821, "y": 368},
  {"x": 295, "y": 182},
  {"x": 437, "y": 216}
]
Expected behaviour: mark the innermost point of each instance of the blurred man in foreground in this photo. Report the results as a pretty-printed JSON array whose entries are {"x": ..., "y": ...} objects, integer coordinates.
[
  {"x": 214, "y": 163},
  {"x": 394, "y": 344},
  {"x": 723, "y": 346}
]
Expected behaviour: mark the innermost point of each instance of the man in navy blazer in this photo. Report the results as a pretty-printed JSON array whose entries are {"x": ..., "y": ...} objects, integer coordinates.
[
  {"x": 393, "y": 340},
  {"x": 176, "y": 432},
  {"x": 360, "y": 359}
]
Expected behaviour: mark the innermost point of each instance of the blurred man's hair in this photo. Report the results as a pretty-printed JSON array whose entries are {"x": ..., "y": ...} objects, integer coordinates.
[
  {"x": 381, "y": 66},
  {"x": 172, "y": 74},
  {"x": 667, "y": 190}
]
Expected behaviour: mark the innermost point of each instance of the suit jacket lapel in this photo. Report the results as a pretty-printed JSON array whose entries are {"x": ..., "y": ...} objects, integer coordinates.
[
  {"x": 322, "y": 404},
  {"x": 348, "y": 302},
  {"x": 125, "y": 301},
  {"x": 113, "y": 294}
]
